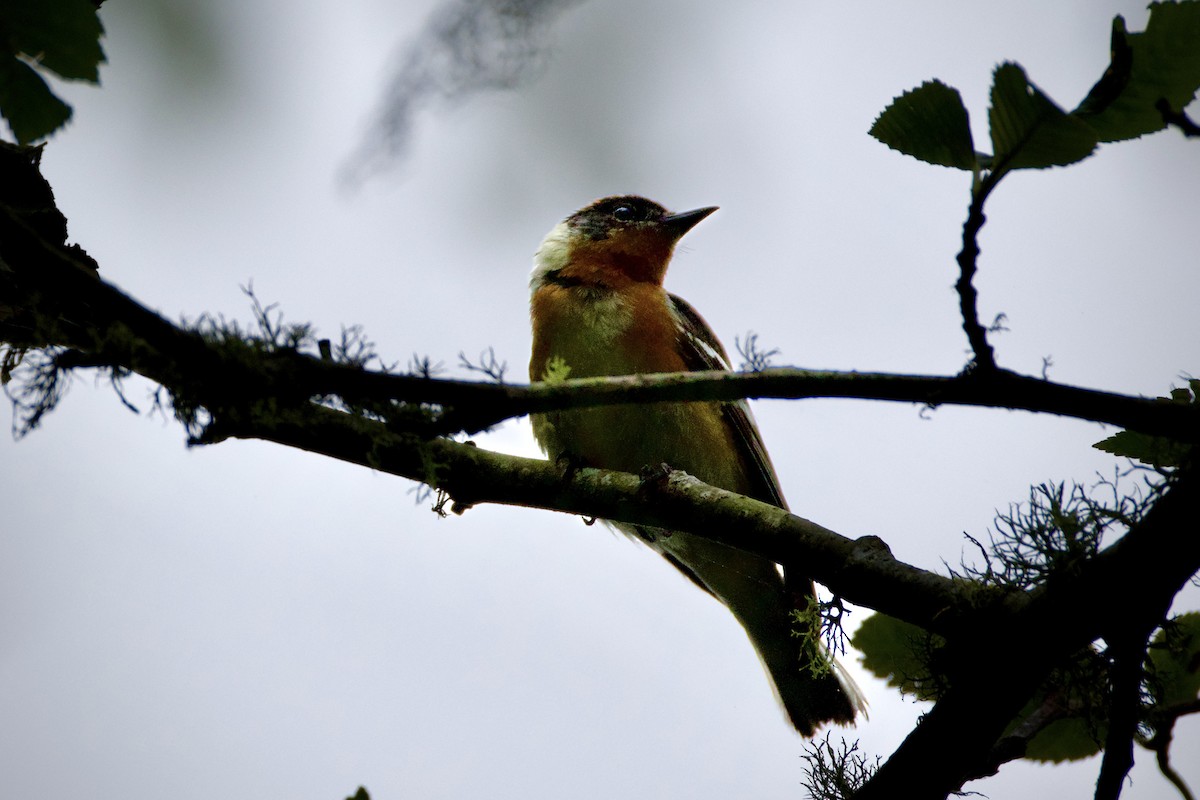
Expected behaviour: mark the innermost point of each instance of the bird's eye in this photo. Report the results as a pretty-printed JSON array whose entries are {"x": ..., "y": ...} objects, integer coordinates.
[{"x": 624, "y": 213}]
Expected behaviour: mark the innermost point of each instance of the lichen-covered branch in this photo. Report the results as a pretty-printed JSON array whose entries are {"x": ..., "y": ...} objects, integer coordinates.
[
  {"x": 111, "y": 329},
  {"x": 860, "y": 570},
  {"x": 1002, "y": 642},
  {"x": 1128, "y": 586}
]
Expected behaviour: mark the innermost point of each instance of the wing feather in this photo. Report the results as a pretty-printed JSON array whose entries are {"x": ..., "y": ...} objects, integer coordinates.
[{"x": 701, "y": 351}]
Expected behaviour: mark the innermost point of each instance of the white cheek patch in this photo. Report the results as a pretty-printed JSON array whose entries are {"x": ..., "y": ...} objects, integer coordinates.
[{"x": 552, "y": 254}]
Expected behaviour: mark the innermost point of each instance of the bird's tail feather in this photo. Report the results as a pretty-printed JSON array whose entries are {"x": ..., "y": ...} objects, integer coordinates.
[{"x": 811, "y": 685}]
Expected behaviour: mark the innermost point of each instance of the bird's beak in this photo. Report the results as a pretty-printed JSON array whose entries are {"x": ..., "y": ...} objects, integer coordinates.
[{"x": 684, "y": 221}]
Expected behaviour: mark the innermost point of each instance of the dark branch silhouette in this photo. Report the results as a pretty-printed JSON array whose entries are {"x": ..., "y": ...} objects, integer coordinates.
[
  {"x": 1002, "y": 643},
  {"x": 984, "y": 358},
  {"x": 66, "y": 289}
]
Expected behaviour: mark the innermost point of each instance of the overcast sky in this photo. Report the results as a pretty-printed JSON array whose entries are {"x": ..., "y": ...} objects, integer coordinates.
[{"x": 247, "y": 621}]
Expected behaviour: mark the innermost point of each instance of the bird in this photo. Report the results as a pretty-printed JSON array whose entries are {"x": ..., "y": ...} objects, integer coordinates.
[{"x": 598, "y": 307}]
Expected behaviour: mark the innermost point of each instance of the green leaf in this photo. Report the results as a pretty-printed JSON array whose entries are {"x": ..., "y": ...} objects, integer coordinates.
[
  {"x": 26, "y": 102},
  {"x": 1175, "y": 654},
  {"x": 1028, "y": 130},
  {"x": 1161, "y": 63},
  {"x": 1157, "y": 451},
  {"x": 1115, "y": 77},
  {"x": 900, "y": 653},
  {"x": 62, "y": 36},
  {"x": 557, "y": 370},
  {"x": 929, "y": 123},
  {"x": 1067, "y": 739},
  {"x": 1068, "y": 713}
]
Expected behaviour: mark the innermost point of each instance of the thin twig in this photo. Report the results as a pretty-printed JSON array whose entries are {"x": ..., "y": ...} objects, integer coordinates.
[
  {"x": 1164, "y": 727},
  {"x": 1125, "y": 701},
  {"x": 968, "y": 256}
]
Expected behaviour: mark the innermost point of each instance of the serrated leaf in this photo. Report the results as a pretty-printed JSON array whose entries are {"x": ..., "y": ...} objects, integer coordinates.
[
  {"x": 1157, "y": 451},
  {"x": 929, "y": 123},
  {"x": 60, "y": 35},
  {"x": 898, "y": 652},
  {"x": 1176, "y": 659},
  {"x": 26, "y": 102},
  {"x": 1160, "y": 63},
  {"x": 1028, "y": 130}
]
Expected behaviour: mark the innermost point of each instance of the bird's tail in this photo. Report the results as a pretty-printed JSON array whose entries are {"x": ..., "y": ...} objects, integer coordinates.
[{"x": 811, "y": 685}]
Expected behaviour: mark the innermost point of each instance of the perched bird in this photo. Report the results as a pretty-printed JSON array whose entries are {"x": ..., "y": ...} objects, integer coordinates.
[{"x": 598, "y": 307}]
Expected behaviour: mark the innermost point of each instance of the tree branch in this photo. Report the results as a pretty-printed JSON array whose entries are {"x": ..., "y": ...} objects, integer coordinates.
[
  {"x": 1164, "y": 728},
  {"x": 860, "y": 570},
  {"x": 154, "y": 347},
  {"x": 968, "y": 256},
  {"x": 1010, "y": 656},
  {"x": 1002, "y": 643},
  {"x": 998, "y": 389},
  {"x": 51, "y": 295},
  {"x": 1129, "y": 651}
]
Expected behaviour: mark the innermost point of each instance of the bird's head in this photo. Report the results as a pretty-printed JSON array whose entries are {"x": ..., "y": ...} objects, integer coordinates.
[{"x": 614, "y": 240}]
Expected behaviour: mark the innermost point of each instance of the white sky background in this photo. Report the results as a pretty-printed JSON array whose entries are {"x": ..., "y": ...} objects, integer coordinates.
[{"x": 248, "y": 621}]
